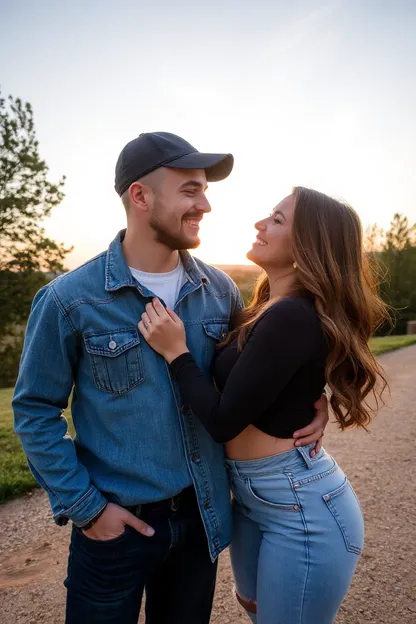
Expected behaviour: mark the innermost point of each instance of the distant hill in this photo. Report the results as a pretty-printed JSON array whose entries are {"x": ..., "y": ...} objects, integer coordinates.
[
  {"x": 244, "y": 275},
  {"x": 242, "y": 269}
]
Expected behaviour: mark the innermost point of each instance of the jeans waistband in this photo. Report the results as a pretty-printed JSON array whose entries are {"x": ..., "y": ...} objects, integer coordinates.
[
  {"x": 184, "y": 498},
  {"x": 298, "y": 457}
]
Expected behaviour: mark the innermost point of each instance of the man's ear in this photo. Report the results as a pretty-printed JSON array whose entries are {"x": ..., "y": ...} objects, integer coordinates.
[{"x": 140, "y": 196}]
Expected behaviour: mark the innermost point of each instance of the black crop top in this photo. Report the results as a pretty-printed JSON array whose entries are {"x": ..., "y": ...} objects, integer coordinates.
[{"x": 272, "y": 383}]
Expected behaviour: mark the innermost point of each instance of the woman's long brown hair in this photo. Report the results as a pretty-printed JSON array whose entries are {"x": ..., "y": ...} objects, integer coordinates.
[{"x": 333, "y": 269}]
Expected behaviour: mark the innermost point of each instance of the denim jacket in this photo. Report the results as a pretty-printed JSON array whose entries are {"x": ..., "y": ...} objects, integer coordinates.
[{"x": 134, "y": 443}]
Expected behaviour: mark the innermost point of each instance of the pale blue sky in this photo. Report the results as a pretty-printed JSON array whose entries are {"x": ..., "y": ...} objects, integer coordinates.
[{"x": 306, "y": 92}]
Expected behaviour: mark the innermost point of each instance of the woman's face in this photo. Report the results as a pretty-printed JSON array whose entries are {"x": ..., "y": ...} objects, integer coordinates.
[{"x": 272, "y": 248}]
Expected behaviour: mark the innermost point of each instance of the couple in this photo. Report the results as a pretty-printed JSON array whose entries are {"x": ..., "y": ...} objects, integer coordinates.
[{"x": 137, "y": 335}]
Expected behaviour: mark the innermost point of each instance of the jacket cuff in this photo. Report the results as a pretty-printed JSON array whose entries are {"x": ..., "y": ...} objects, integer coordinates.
[{"x": 84, "y": 509}]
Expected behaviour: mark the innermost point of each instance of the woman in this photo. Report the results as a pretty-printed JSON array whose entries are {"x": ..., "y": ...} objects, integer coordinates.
[{"x": 298, "y": 527}]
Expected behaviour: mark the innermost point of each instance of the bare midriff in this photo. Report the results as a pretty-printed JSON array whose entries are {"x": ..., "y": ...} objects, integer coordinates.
[{"x": 255, "y": 444}]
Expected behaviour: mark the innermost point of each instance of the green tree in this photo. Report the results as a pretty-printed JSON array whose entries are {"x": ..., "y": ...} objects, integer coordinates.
[
  {"x": 27, "y": 255},
  {"x": 400, "y": 236},
  {"x": 373, "y": 239},
  {"x": 399, "y": 257}
]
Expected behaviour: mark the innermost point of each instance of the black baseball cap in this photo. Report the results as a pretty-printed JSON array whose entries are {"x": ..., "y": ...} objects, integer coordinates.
[{"x": 152, "y": 150}]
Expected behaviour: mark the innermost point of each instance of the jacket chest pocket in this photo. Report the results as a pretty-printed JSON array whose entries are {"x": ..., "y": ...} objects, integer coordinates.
[
  {"x": 214, "y": 332},
  {"x": 116, "y": 359}
]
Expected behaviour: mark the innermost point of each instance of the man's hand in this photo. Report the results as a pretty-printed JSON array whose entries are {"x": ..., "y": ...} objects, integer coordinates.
[
  {"x": 315, "y": 431},
  {"x": 112, "y": 523}
]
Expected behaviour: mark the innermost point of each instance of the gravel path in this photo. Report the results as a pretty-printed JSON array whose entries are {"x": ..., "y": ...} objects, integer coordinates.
[{"x": 381, "y": 466}]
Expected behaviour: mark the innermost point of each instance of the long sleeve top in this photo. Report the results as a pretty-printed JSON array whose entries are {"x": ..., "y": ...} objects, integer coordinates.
[{"x": 271, "y": 384}]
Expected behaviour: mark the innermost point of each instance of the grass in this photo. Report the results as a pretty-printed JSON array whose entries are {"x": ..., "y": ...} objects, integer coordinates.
[
  {"x": 391, "y": 343},
  {"x": 15, "y": 476}
]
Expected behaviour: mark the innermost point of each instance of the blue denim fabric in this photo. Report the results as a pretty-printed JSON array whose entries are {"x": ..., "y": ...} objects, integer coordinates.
[
  {"x": 106, "y": 579},
  {"x": 298, "y": 534},
  {"x": 133, "y": 444}
]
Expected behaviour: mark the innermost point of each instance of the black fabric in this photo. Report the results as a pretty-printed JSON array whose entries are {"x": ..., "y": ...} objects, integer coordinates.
[
  {"x": 152, "y": 150},
  {"x": 272, "y": 384},
  {"x": 186, "y": 497}
]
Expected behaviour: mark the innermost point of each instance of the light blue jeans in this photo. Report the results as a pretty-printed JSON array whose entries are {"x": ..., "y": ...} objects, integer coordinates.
[{"x": 298, "y": 534}]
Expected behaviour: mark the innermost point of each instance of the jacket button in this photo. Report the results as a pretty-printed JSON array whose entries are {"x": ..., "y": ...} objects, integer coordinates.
[
  {"x": 112, "y": 345},
  {"x": 194, "y": 457},
  {"x": 207, "y": 504}
]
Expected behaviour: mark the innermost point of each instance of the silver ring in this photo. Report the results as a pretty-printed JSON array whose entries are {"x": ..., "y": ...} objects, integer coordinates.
[{"x": 146, "y": 325}]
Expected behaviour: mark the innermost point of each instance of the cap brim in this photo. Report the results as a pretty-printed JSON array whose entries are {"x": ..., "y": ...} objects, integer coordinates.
[{"x": 216, "y": 166}]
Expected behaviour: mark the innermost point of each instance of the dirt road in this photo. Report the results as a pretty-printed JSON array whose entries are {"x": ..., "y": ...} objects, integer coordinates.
[{"x": 381, "y": 466}]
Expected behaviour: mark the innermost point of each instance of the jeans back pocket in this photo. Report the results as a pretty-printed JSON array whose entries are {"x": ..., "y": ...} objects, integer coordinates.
[
  {"x": 116, "y": 359},
  {"x": 345, "y": 508}
]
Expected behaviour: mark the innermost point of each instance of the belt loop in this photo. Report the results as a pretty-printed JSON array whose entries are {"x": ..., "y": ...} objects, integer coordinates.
[
  {"x": 304, "y": 451},
  {"x": 174, "y": 503}
]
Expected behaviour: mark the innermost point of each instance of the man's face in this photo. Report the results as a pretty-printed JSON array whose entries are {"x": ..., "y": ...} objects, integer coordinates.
[{"x": 178, "y": 205}]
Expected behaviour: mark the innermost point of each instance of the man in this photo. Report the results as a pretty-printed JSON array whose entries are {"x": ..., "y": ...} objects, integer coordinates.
[{"x": 143, "y": 483}]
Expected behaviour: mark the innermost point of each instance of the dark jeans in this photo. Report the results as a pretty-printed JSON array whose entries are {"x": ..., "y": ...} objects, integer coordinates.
[{"x": 106, "y": 579}]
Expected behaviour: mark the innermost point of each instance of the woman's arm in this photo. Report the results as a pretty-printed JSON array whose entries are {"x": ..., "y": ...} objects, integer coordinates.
[{"x": 283, "y": 340}]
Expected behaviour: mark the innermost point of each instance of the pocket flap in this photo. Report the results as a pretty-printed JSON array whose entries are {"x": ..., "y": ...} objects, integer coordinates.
[
  {"x": 216, "y": 329},
  {"x": 111, "y": 344}
]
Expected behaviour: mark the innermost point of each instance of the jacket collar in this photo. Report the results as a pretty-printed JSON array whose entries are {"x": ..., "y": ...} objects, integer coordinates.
[{"x": 118, "y": 274}]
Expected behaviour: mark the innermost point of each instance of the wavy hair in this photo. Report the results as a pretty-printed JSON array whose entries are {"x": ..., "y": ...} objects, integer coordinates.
[{"x": 333, "y": 269}]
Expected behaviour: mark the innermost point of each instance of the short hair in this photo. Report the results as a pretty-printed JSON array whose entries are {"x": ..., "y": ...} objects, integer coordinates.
[
  {"x": 151, "y": 179},
  {"x": 125, "y": 198}
]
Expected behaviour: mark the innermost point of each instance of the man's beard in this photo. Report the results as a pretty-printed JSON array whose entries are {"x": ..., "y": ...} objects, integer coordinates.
[{"x": 172, "y": 241}]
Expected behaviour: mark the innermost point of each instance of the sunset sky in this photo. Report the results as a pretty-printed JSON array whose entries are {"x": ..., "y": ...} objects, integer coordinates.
[{"x": 302, "y": 92}]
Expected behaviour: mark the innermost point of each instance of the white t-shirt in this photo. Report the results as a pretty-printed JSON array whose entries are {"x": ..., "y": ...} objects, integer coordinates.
[{"x": 166, "y": 286}]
